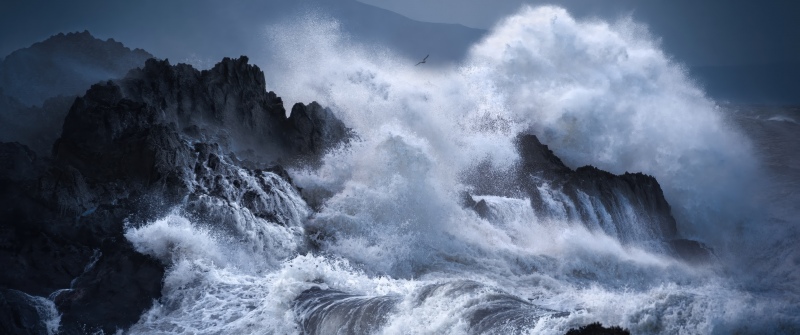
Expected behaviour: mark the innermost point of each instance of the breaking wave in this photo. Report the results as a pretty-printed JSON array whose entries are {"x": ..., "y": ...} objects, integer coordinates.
[{"x": 391, "y": 245}]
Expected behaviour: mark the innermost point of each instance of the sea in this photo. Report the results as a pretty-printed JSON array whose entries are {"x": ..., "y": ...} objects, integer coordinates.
[{"x": 378, "y": 241}]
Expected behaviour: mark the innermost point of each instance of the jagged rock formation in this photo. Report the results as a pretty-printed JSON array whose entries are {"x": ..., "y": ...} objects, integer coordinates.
[
  {"x": 630, "y": 207},
  {"x": 65, "y": 64},
  {"x": 246, "y": 117},
  {"x": 130, "y": 151}
]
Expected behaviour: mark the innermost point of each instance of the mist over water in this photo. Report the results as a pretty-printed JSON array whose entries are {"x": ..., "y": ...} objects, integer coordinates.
[{"x": 390, "y": 224}]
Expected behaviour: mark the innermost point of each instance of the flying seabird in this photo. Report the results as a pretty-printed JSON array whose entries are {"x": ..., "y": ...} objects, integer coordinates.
[{"x": 423, "y": 60}]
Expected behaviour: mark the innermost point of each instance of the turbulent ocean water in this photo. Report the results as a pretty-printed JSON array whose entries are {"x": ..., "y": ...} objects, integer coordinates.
[{"x": 385, "y": 246}]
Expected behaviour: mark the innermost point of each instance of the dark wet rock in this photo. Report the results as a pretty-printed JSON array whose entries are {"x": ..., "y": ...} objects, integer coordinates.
[
  {"x": 630, "y": 198},
  {"x": 230, "y": 105},
  {"x": 480, "y": 207},
  {"x": 47, "y": 250},
  {"x": 220, "y": 181},
  {"x": 129, "y": 152},
  {"x": 598, "y": 329},
  {"x": 41, "y": 263},
  {"x": 65, "y": 64},
  {"x": 30, "y": 243},
  {"x": 537, "y": 160},
  {"x": 21, "y": 314},
  {"x": 112, "y": 148},
  {"x": 310, "y": 128},
  {"x": 693, "y": 252},
  {"x": 316, "y": 196},
  {"x": 117, "y": 285},
  {"x": 467, "y": 201},
  {"x": 630, "y": 207}
]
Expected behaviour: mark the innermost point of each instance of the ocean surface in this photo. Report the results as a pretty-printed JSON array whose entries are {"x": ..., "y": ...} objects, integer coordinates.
[{"x": 386, "y": 247}]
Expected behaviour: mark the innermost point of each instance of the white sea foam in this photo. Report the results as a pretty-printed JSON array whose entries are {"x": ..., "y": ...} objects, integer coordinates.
[
  {"x": 207, "y": 292},
  {"x": 597, "y": 93}
]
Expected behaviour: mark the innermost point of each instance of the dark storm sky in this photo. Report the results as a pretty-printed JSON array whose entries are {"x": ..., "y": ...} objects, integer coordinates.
[
  {"x": 738, "y": 50},
  {"x": 697, "y": 32},
  {"x": 706, "y": 32}
]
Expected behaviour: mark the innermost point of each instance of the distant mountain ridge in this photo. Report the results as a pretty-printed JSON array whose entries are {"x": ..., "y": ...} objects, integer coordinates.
[
  {"x": 39, "y": 83},
  {"x": 65, "y": 64},
  {"x": 445, "y": 42},
  {"x": 208, "y": 30}
]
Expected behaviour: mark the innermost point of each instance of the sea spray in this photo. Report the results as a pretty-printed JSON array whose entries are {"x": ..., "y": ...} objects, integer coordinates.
[
  {"x": 597, "y": 93},
  {"x": 389, "y": 224}
]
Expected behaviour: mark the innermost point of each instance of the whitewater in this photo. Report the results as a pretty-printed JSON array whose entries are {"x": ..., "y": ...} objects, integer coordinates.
[{"x": 380, "y": 231}]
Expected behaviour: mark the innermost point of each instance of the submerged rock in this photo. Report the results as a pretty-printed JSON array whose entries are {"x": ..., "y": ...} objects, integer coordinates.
[{"x": 598, "y": 329}]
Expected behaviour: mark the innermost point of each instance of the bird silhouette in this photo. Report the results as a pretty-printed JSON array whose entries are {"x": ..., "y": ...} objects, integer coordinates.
[{"x": 423, "y": 60}]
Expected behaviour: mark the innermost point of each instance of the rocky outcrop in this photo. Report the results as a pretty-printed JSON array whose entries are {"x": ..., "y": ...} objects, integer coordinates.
[
  {"x": 23, "y": 314},
  {"x": 630, "y": 207},
  {"x": 130, "y": 151},
  {"x": 310, "y": 128},
  {"x": 61, "y": 235},
  {"x": 115, "y": 275},
  {"x": 230, "y": 104},
  {"x": 588, "y": 194}
]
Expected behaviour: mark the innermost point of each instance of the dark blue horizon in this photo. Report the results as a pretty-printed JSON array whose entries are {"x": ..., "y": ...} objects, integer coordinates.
[{"x": 738, "y": 51}]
